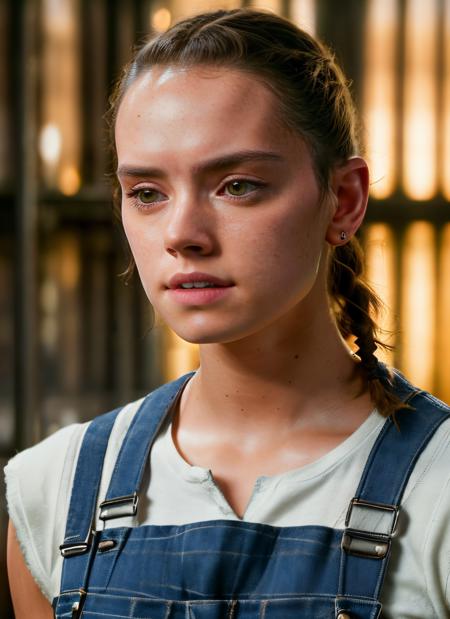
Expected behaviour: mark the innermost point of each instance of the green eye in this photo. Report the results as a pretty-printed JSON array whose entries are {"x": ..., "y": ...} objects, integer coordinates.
[
  {"x": 147, "y": 196},
  {"x": 239, "y": 188}
]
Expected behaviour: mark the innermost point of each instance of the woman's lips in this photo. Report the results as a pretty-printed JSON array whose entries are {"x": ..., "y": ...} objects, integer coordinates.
[
  {"x": 218, "y": 288},
  {"x": 197, "y": 276},
  {"x": 199, "y": 296}
]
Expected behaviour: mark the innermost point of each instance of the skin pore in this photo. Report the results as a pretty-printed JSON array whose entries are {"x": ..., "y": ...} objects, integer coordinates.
[{"x": 230, "y": 192}]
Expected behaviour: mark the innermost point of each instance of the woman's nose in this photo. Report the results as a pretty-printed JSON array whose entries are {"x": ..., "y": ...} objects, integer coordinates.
[{"x": 190, "y": 229}]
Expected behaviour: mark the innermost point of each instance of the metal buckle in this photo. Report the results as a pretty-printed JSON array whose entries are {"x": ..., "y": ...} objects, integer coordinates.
[
  {"x": 365, "y": 545},
  {"x": 119, "y": 507},
  {"x": 78, "y": 548},
  {"x": 380, "y": 508},
  {"x": 375, "y": 540}
]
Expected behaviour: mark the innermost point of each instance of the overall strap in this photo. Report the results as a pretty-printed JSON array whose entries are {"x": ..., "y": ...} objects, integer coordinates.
[
  {"x": 79, "y": 544},
  {"x": 122, "y": 496},
  {"x": 77, "y": 548},
  {"x": 86, "y": 483},
  {"x": 373, "y": 513}
]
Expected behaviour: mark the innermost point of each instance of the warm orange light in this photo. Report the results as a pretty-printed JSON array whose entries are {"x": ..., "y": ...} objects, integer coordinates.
[
  {"x": 181, "y": 8},
  {"x": 275, "y": 6},
  {"x": 303, "y": 13},
  {"x": 443, "y": 322},
  {"x": 69, "y": 180},
  {"x": 445, "y": 159},
  {"x": 180, "y": 356},
  {"x": 379, "y": 248},
  {"x": 161, "y": 20},
  {"x": 69, "y": 262},
  {"x": 418, "y": 304},
  {"x": 379, "y": 94},
  {"x": 60, "y": 138},
  {"x": 50, "y": 144},
  {"x": 419, "y": 150}
]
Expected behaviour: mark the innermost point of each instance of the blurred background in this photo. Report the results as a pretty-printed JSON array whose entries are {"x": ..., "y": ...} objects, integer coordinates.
[{"x": 74, "y": 339}]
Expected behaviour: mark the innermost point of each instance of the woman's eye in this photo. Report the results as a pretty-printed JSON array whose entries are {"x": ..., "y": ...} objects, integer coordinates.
[
  {"x": 240, "y": 188},
  {"x": 147, "y": 196}
]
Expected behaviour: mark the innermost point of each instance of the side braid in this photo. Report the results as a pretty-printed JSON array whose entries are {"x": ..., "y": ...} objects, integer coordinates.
[{"x": 356, "y": 307}]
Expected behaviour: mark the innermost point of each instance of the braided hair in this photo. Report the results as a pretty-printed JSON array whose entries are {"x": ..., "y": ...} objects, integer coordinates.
[
  {"x": 314, "y": 101},
  {"x": 355, "y": 306}
]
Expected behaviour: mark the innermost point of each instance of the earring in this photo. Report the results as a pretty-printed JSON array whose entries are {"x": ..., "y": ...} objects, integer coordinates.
[{"x": 343, "y": 235}]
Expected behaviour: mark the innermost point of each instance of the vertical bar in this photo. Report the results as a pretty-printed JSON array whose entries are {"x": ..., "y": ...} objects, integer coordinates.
[
  {"x": 379, "y": 251},
  {"x": 28, "y": 428},
  {"x": 419, "y": 304},
  {"x": 303, "y": 13},
  {"x": 380, "y": 94},
  {"x": 420, "y": 126},
  {"x": 93, "y": 96},
  {"x": 276, "y": 6},
  {"x": 6, "y": 53},
  {"x": 61, "y": 133},
  {"x": 97, "y": 310},
  {"x": 443, "y": 323},
  {"x": 445, "y": 101},
  {"x": 342, "y": 30},
  {"x": 124, "y": 33},
  {"x": 69, "y": 284}
]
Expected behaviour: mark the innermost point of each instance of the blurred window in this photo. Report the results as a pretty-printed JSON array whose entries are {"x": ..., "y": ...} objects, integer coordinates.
[
  {"x": 61, "y": 130},
  {"x": 5, "y": 98}
]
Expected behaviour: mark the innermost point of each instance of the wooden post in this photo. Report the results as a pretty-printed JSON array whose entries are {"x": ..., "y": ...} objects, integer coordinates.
[{"x": 27, "y": 417}]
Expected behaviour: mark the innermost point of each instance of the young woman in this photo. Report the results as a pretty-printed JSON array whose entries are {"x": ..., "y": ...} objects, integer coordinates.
[{"x": 279, "y": 479}]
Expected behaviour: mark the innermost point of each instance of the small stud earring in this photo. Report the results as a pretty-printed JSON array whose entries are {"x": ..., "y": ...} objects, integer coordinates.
[{"x": 343, "y": 235}]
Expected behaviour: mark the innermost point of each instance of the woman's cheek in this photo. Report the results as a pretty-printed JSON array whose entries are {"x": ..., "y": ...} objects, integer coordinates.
[{"x": 139, "y": 247}]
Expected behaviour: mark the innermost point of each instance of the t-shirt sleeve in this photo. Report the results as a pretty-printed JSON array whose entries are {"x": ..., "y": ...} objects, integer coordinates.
[
  {"x": 436, "y": 536},
  {"x": 38, "y": 482},
  {"x": 419, "y": 569}
]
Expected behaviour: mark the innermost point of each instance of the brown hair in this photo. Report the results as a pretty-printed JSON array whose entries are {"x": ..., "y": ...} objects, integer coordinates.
[{"x": 315, "y": 101}]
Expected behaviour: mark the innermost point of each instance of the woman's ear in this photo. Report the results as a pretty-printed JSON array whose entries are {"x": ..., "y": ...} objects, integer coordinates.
[{"x": 350, "y": 187}]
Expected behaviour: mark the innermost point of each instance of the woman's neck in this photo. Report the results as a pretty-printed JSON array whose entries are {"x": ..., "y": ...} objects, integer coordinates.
[{"x": 282, "y": 376}]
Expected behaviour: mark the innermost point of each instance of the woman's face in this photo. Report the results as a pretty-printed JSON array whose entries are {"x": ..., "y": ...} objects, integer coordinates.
[{"x": 216, "y": 191}]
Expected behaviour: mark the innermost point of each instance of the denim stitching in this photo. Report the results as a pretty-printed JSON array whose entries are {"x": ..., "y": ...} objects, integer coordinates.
[
  {"x": 231, "y": 609},
  {"x": 262, "y": 610}
]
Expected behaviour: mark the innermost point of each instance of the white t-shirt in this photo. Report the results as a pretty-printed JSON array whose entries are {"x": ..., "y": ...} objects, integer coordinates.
[{"x": 417, "y": 584}]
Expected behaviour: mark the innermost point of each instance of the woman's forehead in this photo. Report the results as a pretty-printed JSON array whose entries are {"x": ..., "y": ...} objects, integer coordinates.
[
  {"x": 184, "y": 106},
  {"x": 169, "y": 91}
]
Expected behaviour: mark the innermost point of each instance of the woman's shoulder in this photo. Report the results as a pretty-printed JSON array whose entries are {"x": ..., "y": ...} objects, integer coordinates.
[
  {"x": 49, "y": 455},
  {"x": 407, "y": 390},
  {"x": 422, "y": 544},
  {"x": 429, "y": 418},
  {"x": 38, "y": 487},
  {"x": 40, "y": 470},
  {"x": 32, "y": 469},
  {"x": 37, "y": 480}
]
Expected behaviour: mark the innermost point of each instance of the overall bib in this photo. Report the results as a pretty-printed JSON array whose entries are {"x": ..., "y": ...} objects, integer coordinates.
[{"x": 226, "y": 569}]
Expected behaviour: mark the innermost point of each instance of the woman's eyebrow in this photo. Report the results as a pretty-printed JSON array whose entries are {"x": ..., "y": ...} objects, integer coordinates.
[{"x": 218, "y": 163}]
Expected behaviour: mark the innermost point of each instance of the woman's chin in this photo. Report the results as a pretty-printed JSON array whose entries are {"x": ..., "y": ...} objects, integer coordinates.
[
  {"x": 202, "y": 336},
  {"x": 209, "y": 332}
]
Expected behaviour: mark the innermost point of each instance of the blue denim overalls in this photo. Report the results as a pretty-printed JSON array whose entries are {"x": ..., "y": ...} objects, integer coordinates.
[{"x": 226, "y": 569}]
